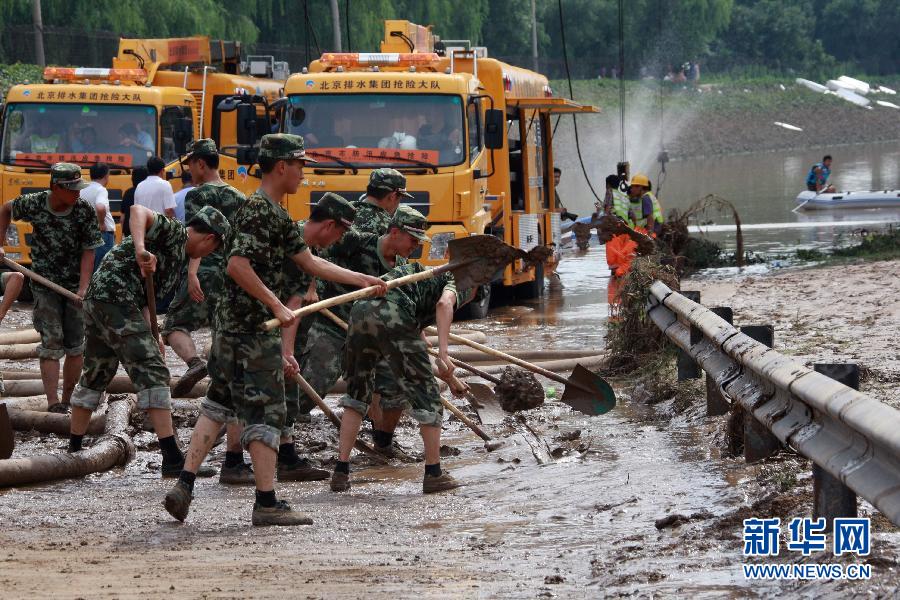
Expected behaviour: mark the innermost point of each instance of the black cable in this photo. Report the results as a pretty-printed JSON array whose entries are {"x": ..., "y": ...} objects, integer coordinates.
[
  {"x": 347, "y": 21},
  {"x": 562, "y": 39},
  {"x": 314, "y": 37},
  {"x": 622, "y": 75},
  {"x": 306, "y": 28}
]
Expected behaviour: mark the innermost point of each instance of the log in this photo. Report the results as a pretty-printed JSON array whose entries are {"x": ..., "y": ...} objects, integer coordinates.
[
  {"x": 19, "y": 336},
  {"x": 38, "y": 402},
  {"x": 115, "y": 448},
  {"x": 18, "y": 351},
  {"x": 18, "y": 375},
  {"x": 45, "y": 422},
  {"x": 119, "y": 385}
]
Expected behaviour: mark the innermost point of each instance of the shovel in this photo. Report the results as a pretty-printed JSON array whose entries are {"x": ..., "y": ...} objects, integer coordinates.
[
  {"x": 42, "y": 280},
  {"x": 150, "y": 287},
  {"x": 474, "y": 261},
  {"x": 585, "y": 391},
  {"x": 7, "y": 437},
  {"x": 309, "y": 391}
]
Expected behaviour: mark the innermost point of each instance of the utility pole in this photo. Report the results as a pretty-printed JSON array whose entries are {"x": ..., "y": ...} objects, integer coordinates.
[
  {"x": 534, "y": 47},
  {"x": 38, "y": 33},
  {"x": 336, "y": 25}
]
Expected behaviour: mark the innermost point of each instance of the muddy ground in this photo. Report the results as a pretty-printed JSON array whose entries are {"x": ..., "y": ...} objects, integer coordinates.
[{"x": 580, "y": 525}]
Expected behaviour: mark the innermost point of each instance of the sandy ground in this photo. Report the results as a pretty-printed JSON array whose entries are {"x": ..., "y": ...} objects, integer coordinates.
[{"x": 836, "y": 314}]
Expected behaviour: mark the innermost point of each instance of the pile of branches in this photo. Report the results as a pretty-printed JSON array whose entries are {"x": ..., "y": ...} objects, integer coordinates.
[
  {"x": 632, "y": 335},
  {"x": 692, "y": 253}
]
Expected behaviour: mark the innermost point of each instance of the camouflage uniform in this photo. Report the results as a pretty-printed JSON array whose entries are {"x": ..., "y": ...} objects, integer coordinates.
[
  {"x": 322, "y": 355},
  {"x": 390, "y": 328},
  {"x": 185, "y": 314},
  {"x": 56, "y": 247},
  {"x": 296, "y": 284},
  {"x": 245, "y": 368},
  {"x": 115, "y": 328},
  {"x": 370, "y": 217}
]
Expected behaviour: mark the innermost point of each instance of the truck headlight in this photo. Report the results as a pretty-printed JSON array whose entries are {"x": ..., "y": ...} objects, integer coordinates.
[{"x": 439, "y": 242}]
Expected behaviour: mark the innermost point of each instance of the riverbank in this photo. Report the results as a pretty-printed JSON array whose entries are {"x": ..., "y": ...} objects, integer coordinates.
[{"x": 730, "y": 117}]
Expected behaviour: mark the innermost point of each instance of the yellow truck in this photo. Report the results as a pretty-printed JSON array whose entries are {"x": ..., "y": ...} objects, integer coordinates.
[
  {"x": 158, "y": 96},
  {"x": 472, "y": 134}
]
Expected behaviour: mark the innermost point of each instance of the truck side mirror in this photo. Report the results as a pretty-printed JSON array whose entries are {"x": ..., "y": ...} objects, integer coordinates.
[
  {"x": 493, "y": 129},
  {"x": 246, "y": 124}
]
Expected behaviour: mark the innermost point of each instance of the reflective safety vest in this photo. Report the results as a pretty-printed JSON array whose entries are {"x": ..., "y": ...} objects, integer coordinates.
[
  {"x": 640, "y": 220},
  {"x": 621, "y": 208}
]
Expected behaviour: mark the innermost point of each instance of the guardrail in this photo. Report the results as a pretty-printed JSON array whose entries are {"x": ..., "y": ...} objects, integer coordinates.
[{"x": 853, "y": 439}]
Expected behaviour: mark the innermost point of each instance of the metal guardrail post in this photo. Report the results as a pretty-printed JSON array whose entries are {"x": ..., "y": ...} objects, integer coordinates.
[
  {"x": 759, "y": 443},
  {"x": 716, "y": 404},
  {"x": 831, "y": 498},
  {"x": 687, "y": 366}
]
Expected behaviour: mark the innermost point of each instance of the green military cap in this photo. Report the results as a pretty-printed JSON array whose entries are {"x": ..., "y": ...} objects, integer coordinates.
[
  {"x": 412, "y": 222},
  {"x": 338, "y": 208},
  {"x": 212, "y": 219},
  {"x": 67, "y": 175},
  {"x": 283, "y": 146},
  {"x": 389, "y": 179},
  {"x": 202, "y": 147}
]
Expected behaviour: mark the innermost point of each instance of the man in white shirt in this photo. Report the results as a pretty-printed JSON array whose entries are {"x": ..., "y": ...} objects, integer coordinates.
[
  {"x": 155, "y": 192},
  {"x": 188, "y": 184},
  {"x": 96, "y": 195}
]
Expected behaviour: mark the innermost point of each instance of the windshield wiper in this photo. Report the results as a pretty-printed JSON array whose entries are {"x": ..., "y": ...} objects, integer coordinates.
[
  {"x": 109, "y": 164},
  {"x": 339, "y": 161},
  {"x": 415, "y": 161}
]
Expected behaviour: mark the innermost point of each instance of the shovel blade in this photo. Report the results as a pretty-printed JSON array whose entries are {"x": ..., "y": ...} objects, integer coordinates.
[
  {"x": 7, "y": 437},
  {"x": 484, "y": 401},
  {"x": 480, "y": 259},
  {"x": 600, "y": 402}
]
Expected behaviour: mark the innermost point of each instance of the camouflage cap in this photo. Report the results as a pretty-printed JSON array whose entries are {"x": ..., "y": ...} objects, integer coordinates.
[
  {"x": 213, "y": 219},
  {"x": 412, "y": 222},
  {"x": 67, "y": 175},
  {"x": 202, "y": 147},
  {"x": 338, "y": 208},
  {"x": 389, "y": 179},
  {"x": 283, "y": 146}
]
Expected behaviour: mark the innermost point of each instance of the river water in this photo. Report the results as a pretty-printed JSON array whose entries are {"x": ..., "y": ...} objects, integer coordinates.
[{"x": 763, "y": 188}]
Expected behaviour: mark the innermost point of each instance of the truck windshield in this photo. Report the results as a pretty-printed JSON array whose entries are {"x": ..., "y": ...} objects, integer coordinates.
[
  {"x": 36, "y": 135},
  {"x": 397, "y": 130}
]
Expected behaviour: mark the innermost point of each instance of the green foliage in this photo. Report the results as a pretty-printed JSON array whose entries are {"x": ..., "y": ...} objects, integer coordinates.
[
  {"x": 10, "y": 75},
  {"x": 746, "y": 37}
]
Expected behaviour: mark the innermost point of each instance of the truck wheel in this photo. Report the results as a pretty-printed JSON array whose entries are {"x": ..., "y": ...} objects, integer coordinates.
[
  {"x": 532, "y": 289},
  {"x": 477, "y": 308}
]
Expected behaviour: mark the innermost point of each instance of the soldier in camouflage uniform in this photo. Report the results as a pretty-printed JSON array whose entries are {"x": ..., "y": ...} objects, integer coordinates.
[
  {"x": 117, "y": 322},
  {"x": 383, "y": 194},
  {"x": 321, "y": 356},
  {"x": 391, "y": 328},
  {"x": 246, "y": 366},
  {"x": 62, "y": 249},
  {"x": 194, "y": 304}
]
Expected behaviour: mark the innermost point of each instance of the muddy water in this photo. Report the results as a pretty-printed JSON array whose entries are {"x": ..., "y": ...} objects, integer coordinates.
[{"x": 763, "y": 188}]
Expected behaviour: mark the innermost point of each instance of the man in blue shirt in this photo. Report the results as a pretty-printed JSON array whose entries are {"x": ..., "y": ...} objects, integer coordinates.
[{"x": 817, "y": 178}]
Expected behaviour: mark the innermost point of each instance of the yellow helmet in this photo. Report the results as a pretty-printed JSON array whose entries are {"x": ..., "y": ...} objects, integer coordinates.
[{"x": 640, "y": 179}]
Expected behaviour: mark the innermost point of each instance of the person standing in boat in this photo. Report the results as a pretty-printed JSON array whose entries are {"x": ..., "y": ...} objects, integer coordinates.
[{"x": 817, "y": 178}]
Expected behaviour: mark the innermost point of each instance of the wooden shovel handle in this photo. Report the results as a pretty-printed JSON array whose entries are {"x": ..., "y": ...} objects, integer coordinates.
[
  {"x": 41, "y": 280},
  {"x": 309, "y": 391},
  {"x": 150, "y": 288},
  {"x": 516, "y": 361},
  {"x": 355, "y": 295}
]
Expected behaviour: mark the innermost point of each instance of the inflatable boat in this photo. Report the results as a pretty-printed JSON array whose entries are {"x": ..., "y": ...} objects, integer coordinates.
[{"x": 808, "y": 200}]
